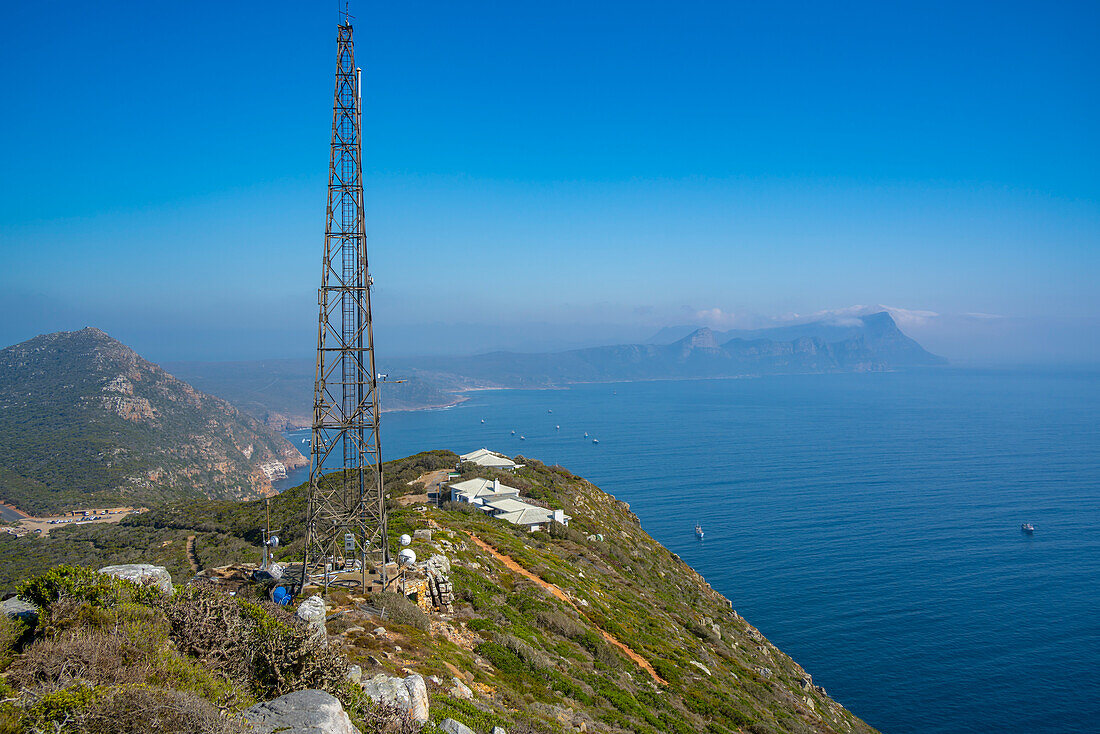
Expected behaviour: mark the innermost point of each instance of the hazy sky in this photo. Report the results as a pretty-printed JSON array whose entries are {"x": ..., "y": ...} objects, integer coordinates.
[{"x": 556, "y": 174}]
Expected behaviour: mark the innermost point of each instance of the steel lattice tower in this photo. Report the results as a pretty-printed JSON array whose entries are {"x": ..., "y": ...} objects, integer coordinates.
[{"x": 346, "y": 515}]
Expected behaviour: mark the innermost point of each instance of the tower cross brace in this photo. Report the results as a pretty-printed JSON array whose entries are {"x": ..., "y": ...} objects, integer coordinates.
[{"x": 346, "y": 513}]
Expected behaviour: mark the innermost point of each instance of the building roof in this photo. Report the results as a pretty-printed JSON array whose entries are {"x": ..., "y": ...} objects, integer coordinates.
[
  {"x": 487, "y": 488},
  {"x": 530, "y": 515},
  {"x": 485, "y": 457},
  {"x": 508, "y": 504}
]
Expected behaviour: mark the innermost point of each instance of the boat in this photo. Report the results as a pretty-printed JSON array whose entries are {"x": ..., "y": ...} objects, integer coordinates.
[
  {"x": 1027, "y": 528},
  {"x": 557, "y": 428},
  {"x": 549, "y": 411},
  {"x": 482, "y": 420},
  {"x": 513, "y": 433},
  {"x": 586, "y": 434},
  {"x": 595, "y": 440},
  {"x": 523, "y": 438},
  {"x": 698, "y": 531}
]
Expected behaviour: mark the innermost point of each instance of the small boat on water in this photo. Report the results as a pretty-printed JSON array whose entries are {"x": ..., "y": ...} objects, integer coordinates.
[
  {"x": 595, "y": 440},
  {"x": 1027, "y": 528},
  {"x": 482, "y": 420},
  {"x": 523, "y": 438},
  {"x": 698, "y": 531},
  {"x": 557, "y": 428},
  {"x": 513, "y": 433},
  {"x": 549, "y": 411},
  {"x": 586, "y": 434}
]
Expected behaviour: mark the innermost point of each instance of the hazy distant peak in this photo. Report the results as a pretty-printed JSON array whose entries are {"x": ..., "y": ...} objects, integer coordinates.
[{"x": 702, "y": 338}]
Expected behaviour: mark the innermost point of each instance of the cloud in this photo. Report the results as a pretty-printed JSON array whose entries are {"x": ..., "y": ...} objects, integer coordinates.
[
  {"x": 719, "y": 319},
  {"x": 909, "y": 317},
  {"x": 850, "y": 315}
]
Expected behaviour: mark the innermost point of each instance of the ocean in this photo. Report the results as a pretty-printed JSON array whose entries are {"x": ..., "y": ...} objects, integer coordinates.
[{"x": 867, "y": 524}]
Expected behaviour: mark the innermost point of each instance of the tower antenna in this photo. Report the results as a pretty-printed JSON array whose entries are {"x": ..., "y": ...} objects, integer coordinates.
[{"x": 346, "y": 512}]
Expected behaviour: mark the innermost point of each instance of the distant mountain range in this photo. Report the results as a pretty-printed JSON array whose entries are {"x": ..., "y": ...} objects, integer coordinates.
[
  {"x": 280, "y": 392},
  {"x": 86, "y": 422}
]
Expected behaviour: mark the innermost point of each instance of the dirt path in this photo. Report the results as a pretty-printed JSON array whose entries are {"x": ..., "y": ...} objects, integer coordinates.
[
  {"x": 191, "y": 557},
  {"x": 557, "y": 591}
]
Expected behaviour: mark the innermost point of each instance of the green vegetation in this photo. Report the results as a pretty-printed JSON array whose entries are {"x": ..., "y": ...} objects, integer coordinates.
[
  {"x": 535, "y": 662},
  {"x": 109, "y": 655},
  {"x": 225, "y": 531},
  {"x": 86, "y": 422}
]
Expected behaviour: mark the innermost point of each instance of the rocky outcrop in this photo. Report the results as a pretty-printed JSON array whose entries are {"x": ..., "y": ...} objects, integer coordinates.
[
  {"x": 460, "y": 690},
  {"x": 16, "y": 608},
  {"x": 142, "y": 573},
  {"x": 312, "y": 612},
  {"x": 438, "y": 569},
  {"x": 455, "y": 727},
  {"x": 301, "y": 712},
  {"x": 408, "y": 694}
]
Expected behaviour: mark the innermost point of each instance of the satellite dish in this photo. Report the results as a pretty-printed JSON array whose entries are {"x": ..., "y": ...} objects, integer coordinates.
[
  {"x": 407, "y": 557},
  {"x": 273, "y": 541},
  {"x": 405, "y": 540}
]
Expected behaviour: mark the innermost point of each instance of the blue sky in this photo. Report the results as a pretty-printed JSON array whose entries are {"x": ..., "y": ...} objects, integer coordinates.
[{"x": 545, "y": 175}]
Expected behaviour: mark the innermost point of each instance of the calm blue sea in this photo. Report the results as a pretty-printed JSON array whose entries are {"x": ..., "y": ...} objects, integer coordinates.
[{"x": 868, "y": 524}]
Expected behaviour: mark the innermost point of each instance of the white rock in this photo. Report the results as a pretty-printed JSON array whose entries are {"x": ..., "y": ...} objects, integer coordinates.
[
  {"x": 454, "y": 727},
  {"x": 460, "y": 690},
  {"x": 16, "y": 608},
  {"x": 438, "y": 565},
  {"x": 700, "y": 666},
  {"x": 387, "y": 691},
  {"x": 301, "y": 712},
  {"x": 407, "y": 694},
  {"x": 142, "y": 573},
  {"x": 418, "y": 699},
  {"x": 355, "y": 674},
  {"x": 312, "y": 611}
]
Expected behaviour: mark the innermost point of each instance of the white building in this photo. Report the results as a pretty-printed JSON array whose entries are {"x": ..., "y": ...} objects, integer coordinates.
[
  {"x": 518, "y": 512},
  {"x": 490, "y": 459},
  {"x": 479, "y": 491}
]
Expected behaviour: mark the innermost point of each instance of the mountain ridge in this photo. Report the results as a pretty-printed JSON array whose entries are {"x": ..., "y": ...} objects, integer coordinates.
[
  {"x": 85, "y": 421},
  {"x": 872, "y": 342}
]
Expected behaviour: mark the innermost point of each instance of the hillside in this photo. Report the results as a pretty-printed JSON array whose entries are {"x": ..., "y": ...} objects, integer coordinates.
[
  {"x": 86, "y": 422},
  {"x": 595, "y": 627},
  {"x": 279, "y": 392}
]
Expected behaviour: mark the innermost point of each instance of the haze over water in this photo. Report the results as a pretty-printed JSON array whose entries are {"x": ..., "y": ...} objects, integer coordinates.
[{"x": 868, "y": 524}]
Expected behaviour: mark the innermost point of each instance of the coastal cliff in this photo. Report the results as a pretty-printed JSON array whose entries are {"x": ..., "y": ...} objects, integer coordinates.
[{"x": 589, "y": 627}]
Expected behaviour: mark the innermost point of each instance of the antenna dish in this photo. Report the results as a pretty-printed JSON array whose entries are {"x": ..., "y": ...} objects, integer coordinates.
[
  {"x": 273, "y": 541},
  {"x": 407, "y": 557},
  {"x": 405, "y": 540}
]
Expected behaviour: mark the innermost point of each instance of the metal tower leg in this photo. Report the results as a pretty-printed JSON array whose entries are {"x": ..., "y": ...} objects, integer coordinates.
[{"x": 346, "y": 512}]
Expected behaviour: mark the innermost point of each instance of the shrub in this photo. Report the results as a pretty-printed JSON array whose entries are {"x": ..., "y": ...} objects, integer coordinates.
[
  {"x": 531, "y": 657},
  {"x": 139, "y": 710},
  {"x": 62, "y": 706},
  {"x": 559, "y": 623},
  {"x": 95, "y": 657},
  {"x": 480, "y": 624},
  {"x": 400, "y": 610},
  {"x": 11, "y": 631},
  {"x": 62, "y": 583},
  {"x": 260, "y": 645}
]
